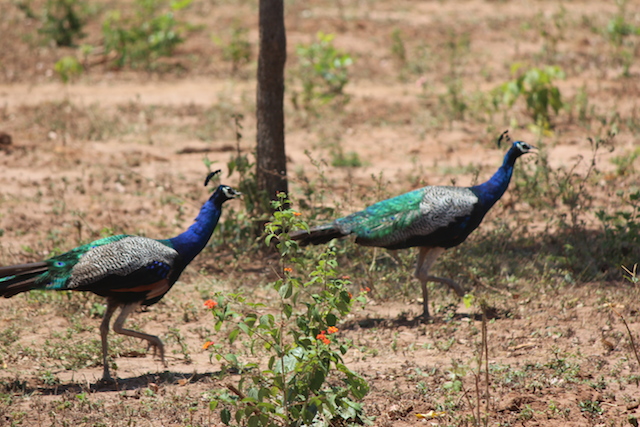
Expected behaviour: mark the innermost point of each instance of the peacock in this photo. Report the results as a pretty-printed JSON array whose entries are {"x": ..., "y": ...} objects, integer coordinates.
[
  {"x": 432, "y": 218},
  {"x": 128, "y": 270}
]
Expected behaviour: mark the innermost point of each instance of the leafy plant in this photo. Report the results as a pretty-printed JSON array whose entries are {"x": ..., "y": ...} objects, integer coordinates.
[
  {"x": 618, "y": 27},
  {"x": 237, "y": 50},
  {"x": 152, "y": 32},
  {"x": 623, "y": 226},
  {"x": 537, "y": 87},
  {"x": 453, "y": 102},
  {"x": 552, "y": 31},
  {"x": 624, "y": 164},
  {"x": 322, "y": 71},
  {"x": 67, "y": 68},
  {"x": 305, "y": 381},
  {"x": 591, "y": 407},
  {"x": 350, "y": 159},
  {"x": 619, "y": 31},
  {"x": 398, "y": 49},
  {"x": 61, "y": 21}
]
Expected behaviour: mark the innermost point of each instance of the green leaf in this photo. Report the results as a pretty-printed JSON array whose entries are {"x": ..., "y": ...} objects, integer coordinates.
[
  {"x": 468, "y": 300},
  {"x": 234, "y": 334},
  {"x": 267, "y": 321},
  {"x": 225, "y": 416},
  {"x": 253, "y": 421},
  {"x": 230, "y": 357},
  {"x": 287, "y": 310},
  {"x": 331, "y": 319},
  {"x": 317, "y": 380},
  {"x": 285, "y": 290}
]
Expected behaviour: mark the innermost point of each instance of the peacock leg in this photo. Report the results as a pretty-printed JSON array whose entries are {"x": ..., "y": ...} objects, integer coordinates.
[
  {"x": 426, "y": 257},
  {"x": 153, "y": 340},
  {"x": 104, "y": 331}
]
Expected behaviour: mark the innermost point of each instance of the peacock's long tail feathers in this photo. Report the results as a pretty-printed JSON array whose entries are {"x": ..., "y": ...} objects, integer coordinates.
[
  {"x": 20, "y": 278},
  {"x": 317, "y": 235}
]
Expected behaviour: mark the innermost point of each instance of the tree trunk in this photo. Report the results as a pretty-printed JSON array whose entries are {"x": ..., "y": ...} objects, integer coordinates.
[{"x": 271, "y": 173}]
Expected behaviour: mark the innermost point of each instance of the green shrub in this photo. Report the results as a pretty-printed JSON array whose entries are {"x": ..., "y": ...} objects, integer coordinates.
[
  {"x": 138, "y": 40},
  {"x": 67, "y": 68},
  {"x": 237, "y": 50},
  {"x": 322, "y": 71},
  {"x": 537, "y": 87},
  {"x": 305, "y": 381},
  {"x": 61, "y": 21}
]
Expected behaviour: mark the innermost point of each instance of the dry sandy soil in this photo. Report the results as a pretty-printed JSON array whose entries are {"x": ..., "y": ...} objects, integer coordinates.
[{"x": 121, "y": 150}]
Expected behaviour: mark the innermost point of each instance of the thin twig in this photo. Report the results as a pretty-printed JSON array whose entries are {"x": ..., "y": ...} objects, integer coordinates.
[
  {"x": 466, "y": 394},
  {"x": 626, "y": 325},
  {"x": 485, "y": 346}
]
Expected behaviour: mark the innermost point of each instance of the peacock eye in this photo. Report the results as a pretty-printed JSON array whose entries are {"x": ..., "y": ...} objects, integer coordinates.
[{"x": 59, "y": 264}]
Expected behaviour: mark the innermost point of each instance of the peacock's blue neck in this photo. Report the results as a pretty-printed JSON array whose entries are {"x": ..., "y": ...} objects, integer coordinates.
[
  {"x": 491, "y": 191},
  {"x": 191, "y": 242}
]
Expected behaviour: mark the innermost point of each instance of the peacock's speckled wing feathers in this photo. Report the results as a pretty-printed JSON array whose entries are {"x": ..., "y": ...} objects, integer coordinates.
[
  {"x": 60, "y": 267},
  {"x": 121, "y": 256},
  {"x": 417, "y": 214}
]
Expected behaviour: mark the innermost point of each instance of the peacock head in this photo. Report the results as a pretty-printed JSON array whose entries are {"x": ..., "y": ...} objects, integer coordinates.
[
  {"x": 518, "y": 148},
  {"x": 223, "y": 192},
  {"x": 227, "y": 192},
  {"x": 523, "y": 147}
]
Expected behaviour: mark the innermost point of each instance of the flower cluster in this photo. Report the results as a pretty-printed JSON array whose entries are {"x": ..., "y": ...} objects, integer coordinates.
[
  {"x": 323, "y": 337},
  {"x": 210, "y": 304}
]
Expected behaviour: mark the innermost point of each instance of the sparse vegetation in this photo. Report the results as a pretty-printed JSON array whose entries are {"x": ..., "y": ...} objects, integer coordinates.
[
  {"x": 538, "y": 89},
  {"x": 395, "y": 104},
  {"x": 301, "y": 383},
  {"x": 322, "y": 72},
  {"x": 138, "y": 39}
]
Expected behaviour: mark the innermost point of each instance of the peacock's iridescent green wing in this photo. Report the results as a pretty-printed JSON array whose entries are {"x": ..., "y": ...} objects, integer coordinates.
[{"x": 384, "y": 219}]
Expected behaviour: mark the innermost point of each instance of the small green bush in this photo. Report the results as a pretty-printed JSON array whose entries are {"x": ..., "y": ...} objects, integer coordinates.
[
  {"x": 537, "y": 87},
  {"x": 61, "y": 21},
  {"x": 237, "y": 49},
  {"x": 322, "y": 71},
  {"x": 138, "y": 40},
  {"x": 305, "y": 381},
  {"x": 67, "y": 68}
]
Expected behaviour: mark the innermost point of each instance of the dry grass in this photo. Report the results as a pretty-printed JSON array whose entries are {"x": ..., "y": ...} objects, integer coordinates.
[{"x": 121, "y": 150}]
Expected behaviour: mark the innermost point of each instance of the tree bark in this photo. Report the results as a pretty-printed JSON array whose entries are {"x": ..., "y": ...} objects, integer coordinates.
[{"x": 271, "y": 165}]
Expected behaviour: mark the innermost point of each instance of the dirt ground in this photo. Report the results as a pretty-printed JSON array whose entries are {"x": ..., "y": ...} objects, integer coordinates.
[{"x": 121, "y": 151}]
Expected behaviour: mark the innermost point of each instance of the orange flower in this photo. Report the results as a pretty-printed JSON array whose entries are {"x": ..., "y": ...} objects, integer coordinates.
[
  {"x": 297, "y": 213},
  {"x": 322, "y": 337},
  {"x": 346, "y": 277},
  {"x": 350, "y": 295},
  {"x": 288, "y": 269},
  {"x": 367, "y": 289},
  {"x": 207, "y": 345},
  {"x": 332, "y": 330},
  {"x": 210, "y": 303}
]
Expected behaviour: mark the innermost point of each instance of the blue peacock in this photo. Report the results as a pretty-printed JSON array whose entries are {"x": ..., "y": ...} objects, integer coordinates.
[
  {"x": 128, "y": 270},
  {"x": 432, "y": 218}
]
